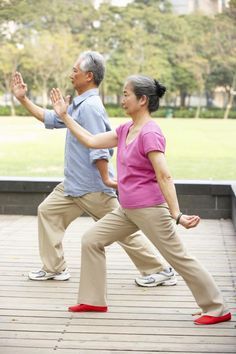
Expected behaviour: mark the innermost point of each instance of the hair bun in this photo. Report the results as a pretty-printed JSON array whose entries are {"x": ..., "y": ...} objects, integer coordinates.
[{"x": 160, "y": 89}]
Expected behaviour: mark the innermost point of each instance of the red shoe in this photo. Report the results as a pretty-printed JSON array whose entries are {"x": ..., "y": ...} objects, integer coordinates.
[
  {"x": 208, "y": 320},
  {"x": 87, "y": 308}
]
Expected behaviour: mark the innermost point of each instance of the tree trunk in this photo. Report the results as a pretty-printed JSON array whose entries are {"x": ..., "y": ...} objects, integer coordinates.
[
  {"x": 44, "y": 95},
  {"x": 231, "y": 98},
  {"x": 183, "y": 96},
  {"x": 198, "y": 106},
  {"x": 209, "y": 99},
  {"x": 8, "y": 89},
  {"x": 188, "y": 102},
  {"x": 13, "y": 112},
  {"x": 118, "y": 99},
  {"x": 102, "y": 91}
]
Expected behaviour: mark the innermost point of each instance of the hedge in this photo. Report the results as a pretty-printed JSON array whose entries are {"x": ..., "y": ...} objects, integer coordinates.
[
  {"x": 176, "y": 112},
  {"x": 168, "y": 112}
]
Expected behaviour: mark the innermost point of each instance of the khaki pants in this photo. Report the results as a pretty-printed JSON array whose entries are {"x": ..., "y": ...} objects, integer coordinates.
[
  {"x": 55, "y": 214},
  {"x": 158, "y": 226}
]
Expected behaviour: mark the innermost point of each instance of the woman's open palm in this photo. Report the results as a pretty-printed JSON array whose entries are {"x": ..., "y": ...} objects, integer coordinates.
[{"x": 59, "y": 104}]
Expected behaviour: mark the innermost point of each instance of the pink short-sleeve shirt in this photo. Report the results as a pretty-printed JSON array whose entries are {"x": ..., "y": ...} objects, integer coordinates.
[{"x": 137, "y": 183}]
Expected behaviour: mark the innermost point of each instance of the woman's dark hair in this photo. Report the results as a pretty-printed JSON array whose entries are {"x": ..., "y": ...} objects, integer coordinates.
[{"x": 146, "y": 86}]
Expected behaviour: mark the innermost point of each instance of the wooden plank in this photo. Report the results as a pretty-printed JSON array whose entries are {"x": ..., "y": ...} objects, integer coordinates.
[
  {"x": 95, "y": 337},
  {"x": 126, "y": 292},
  {"x": 15, "y": 350},
  {"x": 9, "y": 350},
  {"x": 128, "y": 318},
  {"x": 30, "y": 343},
  {"x": 15, "y": 335},
  {"x": 113, "y": 299},
  {"x": 191, "y": 329},
  {"x": 177, "y": 321},
  {"x": 161, "y": 347}
]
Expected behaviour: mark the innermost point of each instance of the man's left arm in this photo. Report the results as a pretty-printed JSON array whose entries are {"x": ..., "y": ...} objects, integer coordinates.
[
  {"x": 95, "y": 123},
  {"x": 102, "y": 166}
]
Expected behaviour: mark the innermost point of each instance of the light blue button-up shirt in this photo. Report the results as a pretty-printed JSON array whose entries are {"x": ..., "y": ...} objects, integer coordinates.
[{"x": 81, "y": 173}]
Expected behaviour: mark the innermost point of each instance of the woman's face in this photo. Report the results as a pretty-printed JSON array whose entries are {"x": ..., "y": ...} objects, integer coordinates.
[{"x": 130, "y": 102}]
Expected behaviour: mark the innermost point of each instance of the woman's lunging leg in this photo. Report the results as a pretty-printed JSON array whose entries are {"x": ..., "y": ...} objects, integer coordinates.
[
  {"x": 113, "y": 227},
  {"x": 157, "y": 224}
]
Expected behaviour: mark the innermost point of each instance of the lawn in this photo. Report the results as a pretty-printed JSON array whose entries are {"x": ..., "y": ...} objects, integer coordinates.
[{"x": 196, "y": 149}]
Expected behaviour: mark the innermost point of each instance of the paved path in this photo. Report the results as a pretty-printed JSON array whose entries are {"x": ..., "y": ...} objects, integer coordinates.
[{"x": 34, "y": 317}]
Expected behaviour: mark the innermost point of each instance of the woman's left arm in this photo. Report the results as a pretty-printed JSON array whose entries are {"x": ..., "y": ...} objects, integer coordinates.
[{"x": 167, "y": 186}]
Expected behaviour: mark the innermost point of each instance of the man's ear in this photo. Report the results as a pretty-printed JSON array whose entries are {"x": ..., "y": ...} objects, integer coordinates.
[{"x": 90, "y": 76}]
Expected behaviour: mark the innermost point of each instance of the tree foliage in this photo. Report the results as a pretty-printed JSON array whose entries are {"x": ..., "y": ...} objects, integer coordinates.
[{"x": 190, "y": 54}]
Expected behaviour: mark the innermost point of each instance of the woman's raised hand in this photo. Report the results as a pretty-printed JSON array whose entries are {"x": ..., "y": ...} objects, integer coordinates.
[{"x": 60, "y": 105}]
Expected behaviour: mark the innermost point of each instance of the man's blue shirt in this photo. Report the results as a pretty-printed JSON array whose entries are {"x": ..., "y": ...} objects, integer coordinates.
[{"x": 81, "y": 173}]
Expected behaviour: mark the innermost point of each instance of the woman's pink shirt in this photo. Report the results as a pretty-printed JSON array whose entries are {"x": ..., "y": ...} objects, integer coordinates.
[{"x": 137, "y": 183}]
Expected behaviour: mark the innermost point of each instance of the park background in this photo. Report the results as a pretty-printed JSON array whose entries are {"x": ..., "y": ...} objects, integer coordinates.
[{"x": 192, "y": 51}]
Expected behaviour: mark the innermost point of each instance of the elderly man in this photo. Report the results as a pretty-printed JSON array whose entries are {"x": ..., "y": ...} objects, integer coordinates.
[{"x": 89, "y": 184}]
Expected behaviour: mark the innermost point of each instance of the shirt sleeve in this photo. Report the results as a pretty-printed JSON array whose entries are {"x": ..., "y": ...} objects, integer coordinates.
[
  {"x": 95, "y": 121},
  {"x": 118, "y": 130},
  {"x": 153, "y": 141},
  {"x": 51, "y": 119}
]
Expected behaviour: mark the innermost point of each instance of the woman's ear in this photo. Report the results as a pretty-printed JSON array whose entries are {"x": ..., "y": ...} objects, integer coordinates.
[{"x": 143, "y": 100}]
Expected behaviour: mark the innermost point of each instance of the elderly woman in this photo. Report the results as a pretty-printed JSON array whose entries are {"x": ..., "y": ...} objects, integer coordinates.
[{"x": 148, "y": 202}]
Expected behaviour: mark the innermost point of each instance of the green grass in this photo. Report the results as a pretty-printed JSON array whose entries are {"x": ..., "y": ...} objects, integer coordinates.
[{"x": 196, "y": 149}]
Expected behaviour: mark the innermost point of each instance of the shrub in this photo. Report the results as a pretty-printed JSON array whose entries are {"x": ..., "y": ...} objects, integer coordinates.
[
  {"x": 5, "y": 111},
  {"x": 114, "y": 110}
]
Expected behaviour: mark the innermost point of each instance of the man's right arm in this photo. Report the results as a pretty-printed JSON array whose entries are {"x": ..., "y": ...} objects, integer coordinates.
[
  {"x": 32, "y": 108},
  {"x": 19, "y": 89}
]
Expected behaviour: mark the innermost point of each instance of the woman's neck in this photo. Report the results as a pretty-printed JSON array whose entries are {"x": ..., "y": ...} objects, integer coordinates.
[{"x": 140, "y": 119}]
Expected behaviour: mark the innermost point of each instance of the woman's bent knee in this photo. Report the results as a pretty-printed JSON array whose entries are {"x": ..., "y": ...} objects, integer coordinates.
[
  {"x": 42, "y": 208},
  {"x": 89, "y": 241}
]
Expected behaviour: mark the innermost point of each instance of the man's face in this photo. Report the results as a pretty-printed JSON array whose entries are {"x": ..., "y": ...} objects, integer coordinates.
[{"x": 80, "y": 79}]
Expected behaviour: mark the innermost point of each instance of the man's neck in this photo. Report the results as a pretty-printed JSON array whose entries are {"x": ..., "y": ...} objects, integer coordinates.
[{"x": 85, "y": 89}]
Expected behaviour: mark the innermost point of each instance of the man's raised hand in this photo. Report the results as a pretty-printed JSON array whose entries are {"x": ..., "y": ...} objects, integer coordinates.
[{"x": 18, "y": 87}]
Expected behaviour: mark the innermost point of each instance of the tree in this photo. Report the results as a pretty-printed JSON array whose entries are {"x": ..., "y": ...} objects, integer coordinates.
[
  {"x": 223, "y": 56},
  {"x": 49, "y": 59},
  {"x": 188, "y": 54},
  {"x": 10, "y": 57}
]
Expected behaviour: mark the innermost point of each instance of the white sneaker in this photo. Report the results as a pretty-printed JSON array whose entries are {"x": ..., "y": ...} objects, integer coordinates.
[
  {"x": 42, "y": 275},
  {"x": 166, "y": 277}
]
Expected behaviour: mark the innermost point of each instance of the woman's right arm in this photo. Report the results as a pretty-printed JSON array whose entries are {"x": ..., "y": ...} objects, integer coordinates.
[
  {"x": 98, "y": 141},
  {"x": 167, "y": 186}
]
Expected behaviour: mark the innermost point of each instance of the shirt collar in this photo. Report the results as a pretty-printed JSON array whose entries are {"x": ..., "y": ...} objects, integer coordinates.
[{"x": 78, "y": 99}]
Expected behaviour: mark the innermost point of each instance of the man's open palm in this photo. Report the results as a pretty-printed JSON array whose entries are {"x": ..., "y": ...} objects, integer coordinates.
[{"x": 19, "y": 88}]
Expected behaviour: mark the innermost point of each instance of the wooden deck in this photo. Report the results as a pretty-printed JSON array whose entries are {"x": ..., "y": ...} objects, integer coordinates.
[{"x": 34, "y": 317}]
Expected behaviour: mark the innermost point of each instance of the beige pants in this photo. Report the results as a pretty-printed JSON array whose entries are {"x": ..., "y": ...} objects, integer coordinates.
[
  {"x": 158, "y": 226},
  {"x": 55, "y": 214}
]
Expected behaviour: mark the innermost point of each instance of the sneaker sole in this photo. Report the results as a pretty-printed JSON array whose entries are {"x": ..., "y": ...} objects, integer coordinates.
[
  {"x": 39, "y": 279},
  {"x": 61, "y": 278},
  {"x": 50, "y": 278},
  {"x": 169, "y": 282}
]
